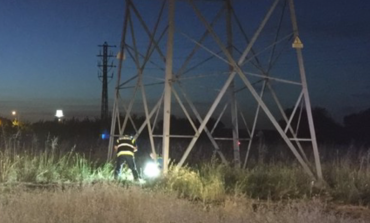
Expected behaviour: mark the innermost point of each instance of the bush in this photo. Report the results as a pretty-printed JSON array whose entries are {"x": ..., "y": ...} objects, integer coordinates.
[
  {"x": 47, "y": 167},
  {"x": 348, "y": 179}
]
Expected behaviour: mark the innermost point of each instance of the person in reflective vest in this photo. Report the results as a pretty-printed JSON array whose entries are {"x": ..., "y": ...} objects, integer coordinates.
[{"x": 125, "y": 148}]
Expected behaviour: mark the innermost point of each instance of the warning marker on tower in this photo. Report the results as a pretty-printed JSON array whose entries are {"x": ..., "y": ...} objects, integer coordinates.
[
  {"x": 120, "y": 57},
  {"x": 297, "y": 44}
]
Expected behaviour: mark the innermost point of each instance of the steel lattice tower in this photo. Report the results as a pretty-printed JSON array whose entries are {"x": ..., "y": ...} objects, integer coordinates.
[
  {"x": 103, "y": 76},
  {"x": 177, "y": 42}
]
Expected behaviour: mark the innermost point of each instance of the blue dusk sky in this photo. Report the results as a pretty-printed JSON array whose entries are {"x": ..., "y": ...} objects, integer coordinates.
[{"x": 48, "y": 54}]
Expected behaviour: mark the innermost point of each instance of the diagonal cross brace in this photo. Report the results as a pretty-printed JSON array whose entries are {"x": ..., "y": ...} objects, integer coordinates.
[
  {"x": 238, "y": 70},
  {"x": 231, "y": 76}
]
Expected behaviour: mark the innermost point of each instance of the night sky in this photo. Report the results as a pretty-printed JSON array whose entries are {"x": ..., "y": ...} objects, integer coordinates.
[{"x": 48, "y": 54}]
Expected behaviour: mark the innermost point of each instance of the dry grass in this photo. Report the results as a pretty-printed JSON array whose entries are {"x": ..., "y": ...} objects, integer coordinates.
[{"x": 114, "y": 203}]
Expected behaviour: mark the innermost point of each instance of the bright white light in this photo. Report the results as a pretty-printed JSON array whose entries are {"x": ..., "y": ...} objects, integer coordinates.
[
  {"x": 59, "y": 114},
  {"x": 152, "y": 170}
]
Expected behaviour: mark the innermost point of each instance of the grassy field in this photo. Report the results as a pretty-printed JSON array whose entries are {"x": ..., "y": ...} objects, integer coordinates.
[
  {"x": 114, "y": 203},
  {"x": 67, "y": 187}
]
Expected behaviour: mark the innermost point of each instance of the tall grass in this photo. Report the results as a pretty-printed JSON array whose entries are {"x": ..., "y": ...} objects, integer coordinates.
[
  {"x": 112, "y": 203},
  {"x": 205, "y": 184},
  {"x": 211, "y": 182},
  {"x": 348, "y": 178},
  {"x": 50, "y": 167}
]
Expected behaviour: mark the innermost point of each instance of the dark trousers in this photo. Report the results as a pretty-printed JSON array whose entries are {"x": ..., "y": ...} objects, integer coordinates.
[{"x": 130, "y": 161}]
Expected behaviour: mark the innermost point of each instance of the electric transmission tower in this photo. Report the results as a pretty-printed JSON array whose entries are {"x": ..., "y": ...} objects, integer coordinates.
[
  {"x": 242, "y": 55},
  {"x": 103, "y": 76}
]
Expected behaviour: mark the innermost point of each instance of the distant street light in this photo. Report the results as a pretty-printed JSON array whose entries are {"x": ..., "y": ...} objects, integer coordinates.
[
  {"x": 15, "y": 122},
  {"x": 59, "y": 115}
]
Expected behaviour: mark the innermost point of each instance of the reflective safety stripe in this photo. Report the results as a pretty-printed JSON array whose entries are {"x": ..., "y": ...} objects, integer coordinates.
[
  {"x": 126, "y": 144},
  {"x": 125, "y": 153}
]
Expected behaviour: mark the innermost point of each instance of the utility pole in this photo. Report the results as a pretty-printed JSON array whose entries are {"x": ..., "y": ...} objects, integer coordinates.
[{"x": 103, "y": 76}]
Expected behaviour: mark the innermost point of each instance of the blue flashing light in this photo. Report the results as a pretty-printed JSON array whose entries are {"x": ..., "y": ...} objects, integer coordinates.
[{"x": 104, "y": 136}]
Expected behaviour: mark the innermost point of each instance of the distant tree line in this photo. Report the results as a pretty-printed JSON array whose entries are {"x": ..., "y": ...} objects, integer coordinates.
[{"x": 355, "y": 128}]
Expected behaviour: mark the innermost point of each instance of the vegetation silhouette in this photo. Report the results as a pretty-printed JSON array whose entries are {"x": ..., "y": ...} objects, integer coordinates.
[
  {"x": 326, "y": 128},
  {"x": 86, "y": 134}
]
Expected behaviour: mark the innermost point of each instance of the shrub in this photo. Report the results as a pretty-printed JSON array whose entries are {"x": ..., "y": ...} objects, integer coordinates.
[{"x": 47, "y": 167}]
